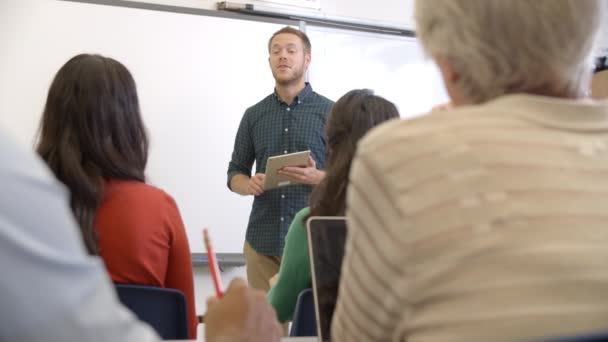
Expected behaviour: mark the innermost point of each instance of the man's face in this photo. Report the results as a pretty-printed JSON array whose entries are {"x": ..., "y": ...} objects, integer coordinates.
[{"x": 288, "y": 60}]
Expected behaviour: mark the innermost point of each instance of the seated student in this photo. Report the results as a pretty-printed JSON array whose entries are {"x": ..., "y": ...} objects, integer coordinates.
[
  {"x": 93, "y": 139},
  {"x": 53, "y": 291},
  {"x": 487, "y": 222},
  {"x": 353, "y": 115}
]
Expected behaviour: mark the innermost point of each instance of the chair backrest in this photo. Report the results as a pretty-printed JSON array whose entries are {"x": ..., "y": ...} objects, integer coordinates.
[
  {"x": 163, "y": 309},
  {"x": 304, "y": 320},
  {"x": 595, "y": 337}
]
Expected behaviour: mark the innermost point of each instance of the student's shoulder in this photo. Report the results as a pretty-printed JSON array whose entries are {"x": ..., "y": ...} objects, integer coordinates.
[
  {"x": 141, "y": 192},
  {"x": 297, "y": 230},
  {"x": 301, "y": 215},
  {"x": 434, "y": 127}
]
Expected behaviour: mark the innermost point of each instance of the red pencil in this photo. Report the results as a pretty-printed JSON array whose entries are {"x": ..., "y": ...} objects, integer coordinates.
[{"x": 215, "y": 270}]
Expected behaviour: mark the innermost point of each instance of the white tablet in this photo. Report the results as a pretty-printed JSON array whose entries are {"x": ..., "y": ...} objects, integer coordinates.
[{"x": 273, "y": 180}]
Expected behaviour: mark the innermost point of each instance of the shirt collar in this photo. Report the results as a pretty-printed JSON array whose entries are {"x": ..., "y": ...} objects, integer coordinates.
[{"x": 302, "y": 95}]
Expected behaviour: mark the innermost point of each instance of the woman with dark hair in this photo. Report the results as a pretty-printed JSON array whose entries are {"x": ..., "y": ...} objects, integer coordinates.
[
  {"x": 93, "y": 139},
  {"x": 351, "y": 117}
]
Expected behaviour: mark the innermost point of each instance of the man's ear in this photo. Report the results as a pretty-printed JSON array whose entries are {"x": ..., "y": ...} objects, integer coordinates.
[
  {"x": 451, "y": 79},
  {"x": 307, "y": 58},
  {"x": 448, "y": 72}
]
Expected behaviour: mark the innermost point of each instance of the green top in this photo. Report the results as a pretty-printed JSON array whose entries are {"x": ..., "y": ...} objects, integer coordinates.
[{"x": 294, "y": 274}]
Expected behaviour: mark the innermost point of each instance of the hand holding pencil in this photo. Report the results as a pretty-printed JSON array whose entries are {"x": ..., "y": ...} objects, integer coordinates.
[
  {"x": 213, "y": 266},
  {"x": 242, "y": 314}
]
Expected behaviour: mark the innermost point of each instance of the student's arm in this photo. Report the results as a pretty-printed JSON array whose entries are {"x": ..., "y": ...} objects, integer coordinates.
[
  {"x": 294, "y": 274},
  {"x": 179, "y": 267}
]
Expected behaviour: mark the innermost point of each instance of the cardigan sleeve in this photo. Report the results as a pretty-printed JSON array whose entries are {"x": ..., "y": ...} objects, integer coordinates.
[{"x": 294, "y": 273}]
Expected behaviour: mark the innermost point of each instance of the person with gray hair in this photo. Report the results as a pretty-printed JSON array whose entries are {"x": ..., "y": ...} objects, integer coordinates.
[
  {"x": 497, "y": 47},
  {"x": 486, "y": 222}
]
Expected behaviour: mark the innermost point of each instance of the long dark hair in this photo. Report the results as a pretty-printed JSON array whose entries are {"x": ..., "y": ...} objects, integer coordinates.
[
  {"x": 91, "y": 129},
  {"x": 351, "y": 117}
]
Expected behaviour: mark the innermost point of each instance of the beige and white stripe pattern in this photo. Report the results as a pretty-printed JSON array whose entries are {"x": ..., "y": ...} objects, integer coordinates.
[{"x": 487, "y": 223}]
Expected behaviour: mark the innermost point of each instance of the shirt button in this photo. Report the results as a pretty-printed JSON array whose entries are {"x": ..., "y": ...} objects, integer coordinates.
[
  {"x": 282, "y": 196},
  {"x": 282, "y": 219},
  {"x": 288, "y": 109},
  {"x": 299, "y": 102},
  {"x": 286, "y": 129},
  {"x": 285, "y": 151}
]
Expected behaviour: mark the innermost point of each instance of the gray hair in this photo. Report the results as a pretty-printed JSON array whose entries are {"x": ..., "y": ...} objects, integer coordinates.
[{"x": 513, "y": 46}]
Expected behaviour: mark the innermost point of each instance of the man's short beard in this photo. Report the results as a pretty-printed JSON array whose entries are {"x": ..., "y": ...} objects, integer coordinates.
[{"x": 292, "y": 80}]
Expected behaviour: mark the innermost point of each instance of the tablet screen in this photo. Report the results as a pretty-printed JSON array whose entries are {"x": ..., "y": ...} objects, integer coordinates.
[{"x": 327, "y": 236}]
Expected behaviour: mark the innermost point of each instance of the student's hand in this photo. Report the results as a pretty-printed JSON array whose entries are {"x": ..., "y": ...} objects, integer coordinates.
[
  {"x": 255, "y": 186},
  {"x": 304, "y": 175},
  {"x": 242, "y": 315}
]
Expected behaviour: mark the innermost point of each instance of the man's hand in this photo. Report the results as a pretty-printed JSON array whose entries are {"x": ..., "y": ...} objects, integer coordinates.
[
  {"x": 244, "y": 185},
  {"x": 255, "y": 186},
  {"x": 273, "y": 280},
  {"x": 304, "y": 175},
  {"x": 242, "y": 315}
]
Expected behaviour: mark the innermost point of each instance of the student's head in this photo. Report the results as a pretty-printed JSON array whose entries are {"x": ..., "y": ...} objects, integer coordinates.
[
  {"x": 351, "y": 117},
  {"x": 488, "y": 48},
  {"x": 91, "y": 130},
  {"x": 289, "y": 55}
]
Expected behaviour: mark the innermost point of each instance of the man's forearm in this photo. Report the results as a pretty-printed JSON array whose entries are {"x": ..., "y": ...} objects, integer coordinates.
[{"x": 238, "y": 184}]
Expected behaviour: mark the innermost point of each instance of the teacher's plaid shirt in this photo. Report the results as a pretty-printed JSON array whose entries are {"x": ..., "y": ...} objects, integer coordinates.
[{"x": 271, "y": 128}]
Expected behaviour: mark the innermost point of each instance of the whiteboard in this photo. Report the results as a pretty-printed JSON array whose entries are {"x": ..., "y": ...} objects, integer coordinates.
[
  {"x": 196, "y": 75},
  {"x": 395, "y": 67}
]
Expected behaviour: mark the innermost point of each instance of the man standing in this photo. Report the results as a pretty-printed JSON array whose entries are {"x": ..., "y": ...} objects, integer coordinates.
[{"x": 291, "y": 119}]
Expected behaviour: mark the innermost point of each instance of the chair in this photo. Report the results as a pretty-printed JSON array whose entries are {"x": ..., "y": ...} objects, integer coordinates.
[
  {"x": 304, "y": 320},
  {"x": 163, "y": 309},
  {"x": 596, "y": 337}
]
